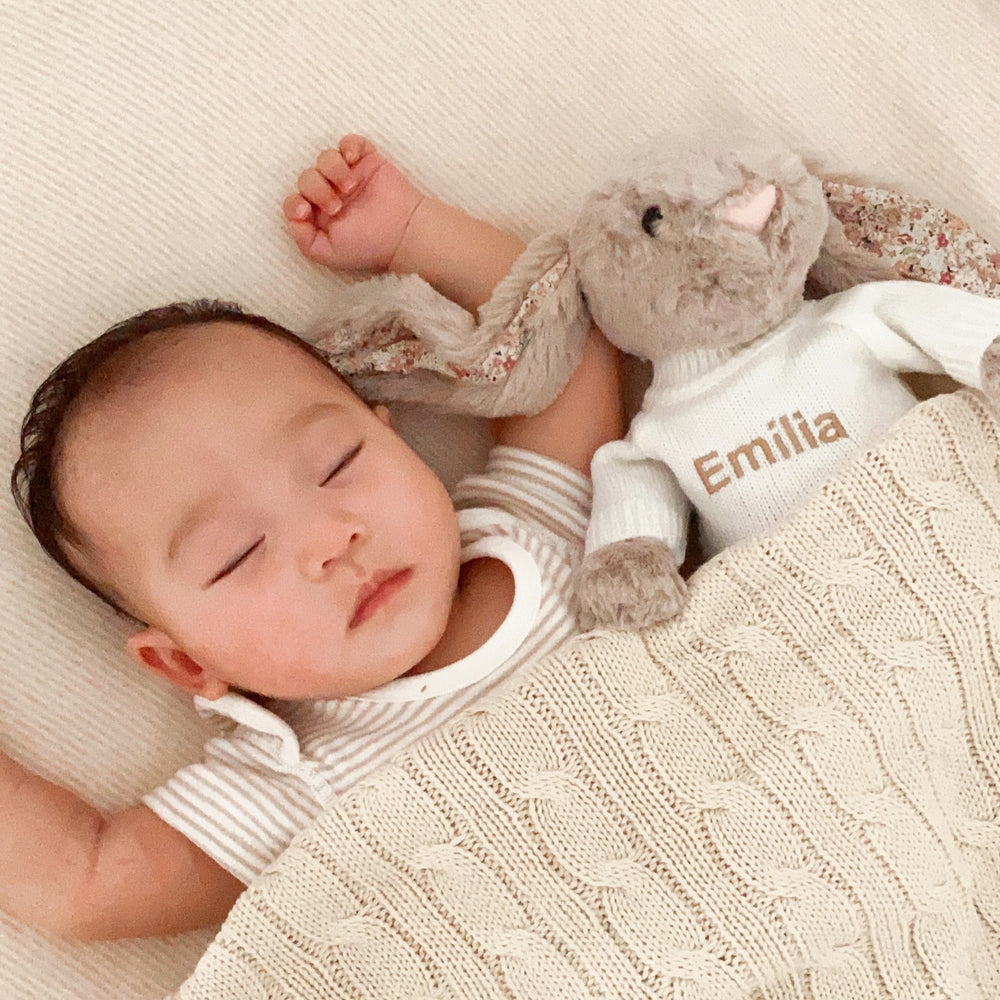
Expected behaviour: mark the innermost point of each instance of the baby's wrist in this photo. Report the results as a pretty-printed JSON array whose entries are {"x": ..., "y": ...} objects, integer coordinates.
[
  {"x": 459, "y": 255},
  {"x": 411, "y": 250}
]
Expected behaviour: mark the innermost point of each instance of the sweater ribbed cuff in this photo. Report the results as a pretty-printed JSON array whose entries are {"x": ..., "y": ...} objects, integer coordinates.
[{"x": 635, "y": 497}]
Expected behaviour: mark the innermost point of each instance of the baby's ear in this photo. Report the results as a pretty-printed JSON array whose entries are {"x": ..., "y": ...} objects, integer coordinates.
[{"x": 153, "y": 649}]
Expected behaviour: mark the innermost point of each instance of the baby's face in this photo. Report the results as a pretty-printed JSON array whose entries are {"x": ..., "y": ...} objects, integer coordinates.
[{"x": 274, "y": 529}]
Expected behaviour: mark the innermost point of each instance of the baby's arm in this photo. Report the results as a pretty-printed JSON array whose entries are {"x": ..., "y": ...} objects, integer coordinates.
[
  {"x": 585, "y": 415},
  {"x": 355, "y": 211},
  {"x": 67, "y": 869}
]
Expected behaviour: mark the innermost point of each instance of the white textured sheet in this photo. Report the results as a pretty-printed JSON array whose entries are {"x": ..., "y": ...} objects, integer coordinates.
[{"x": 145, "y": 151}]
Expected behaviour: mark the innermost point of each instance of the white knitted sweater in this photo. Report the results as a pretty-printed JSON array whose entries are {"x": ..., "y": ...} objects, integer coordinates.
[{"x": 792, "y": 790}]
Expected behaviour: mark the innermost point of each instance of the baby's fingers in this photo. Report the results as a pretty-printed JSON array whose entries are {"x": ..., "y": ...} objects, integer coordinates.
[
  {"x": 315, "y": 188},
  {"x": 335, "y": 169},
  {"x": 354, "y": 147},
  {"x": 302, "y": 226},
  {"x": 297, "y": 209}
]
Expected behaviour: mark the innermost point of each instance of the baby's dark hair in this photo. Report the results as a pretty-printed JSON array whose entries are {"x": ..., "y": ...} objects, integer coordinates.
[{"x": 33, "y": 476}]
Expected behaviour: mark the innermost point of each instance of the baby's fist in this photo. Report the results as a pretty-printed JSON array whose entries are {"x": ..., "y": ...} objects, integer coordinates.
[{"x": 351, "y": 208}]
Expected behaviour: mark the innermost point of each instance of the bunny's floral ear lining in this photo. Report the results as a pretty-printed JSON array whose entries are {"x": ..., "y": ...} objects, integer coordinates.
[
  {"x": 393, "y": 348},
  {"x": 923, "y": 242}
]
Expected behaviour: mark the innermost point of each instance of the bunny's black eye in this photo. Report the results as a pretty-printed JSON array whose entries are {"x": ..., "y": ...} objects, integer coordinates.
[{"x": 650, "y": 218}]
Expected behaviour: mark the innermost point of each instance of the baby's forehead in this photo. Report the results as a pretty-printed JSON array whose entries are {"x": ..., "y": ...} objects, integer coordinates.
[
  {"x": 181, "y": 382},
  {"x": 206, "y": 349},
  {"x": 206, "y": 358},
  {"x": 159, "y": 424}
]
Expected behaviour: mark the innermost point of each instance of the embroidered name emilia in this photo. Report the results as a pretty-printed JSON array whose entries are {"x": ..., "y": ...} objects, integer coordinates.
[{"x": 786, "y": 441}]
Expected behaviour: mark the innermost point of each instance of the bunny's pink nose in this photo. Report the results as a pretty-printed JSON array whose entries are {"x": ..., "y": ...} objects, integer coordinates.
[{"x": 752, "y": 213}]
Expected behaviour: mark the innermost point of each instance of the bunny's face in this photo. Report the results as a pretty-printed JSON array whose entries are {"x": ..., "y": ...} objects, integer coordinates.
[{"x": 709, "y": 253}]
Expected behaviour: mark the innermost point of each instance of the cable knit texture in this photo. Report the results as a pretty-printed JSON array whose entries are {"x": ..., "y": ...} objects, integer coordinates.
[{"x": 792, "y": 790}]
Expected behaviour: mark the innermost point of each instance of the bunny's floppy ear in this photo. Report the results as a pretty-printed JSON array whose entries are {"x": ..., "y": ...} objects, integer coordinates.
[
  {"x": 889, "y": 234},
  {"x": 877, "y": 233},
  {"x": 397, "y": 339},
  {"x": 845, "y": 258}
]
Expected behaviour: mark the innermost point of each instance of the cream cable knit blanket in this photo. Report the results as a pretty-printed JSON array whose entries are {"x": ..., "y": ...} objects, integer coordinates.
[{"x": 791, "y": 791}]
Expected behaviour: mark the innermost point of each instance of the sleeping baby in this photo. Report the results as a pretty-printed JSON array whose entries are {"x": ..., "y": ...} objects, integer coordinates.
[{"x": 286, "y": 559}]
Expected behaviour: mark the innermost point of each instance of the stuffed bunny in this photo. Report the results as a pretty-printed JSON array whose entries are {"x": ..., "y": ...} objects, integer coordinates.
[{"x": 697, "y": 262}]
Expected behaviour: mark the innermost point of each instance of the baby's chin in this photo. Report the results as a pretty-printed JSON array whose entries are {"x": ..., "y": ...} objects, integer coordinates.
[
  {"x": 331, "y": 684},
  {"x": 389, "y": 649}
]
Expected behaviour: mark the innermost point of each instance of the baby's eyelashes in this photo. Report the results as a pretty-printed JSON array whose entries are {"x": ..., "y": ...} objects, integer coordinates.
[
  {"x": 245, "y": 552},
  {"x": 342, "y": 463},
  {"x": 236, "y": 562}
]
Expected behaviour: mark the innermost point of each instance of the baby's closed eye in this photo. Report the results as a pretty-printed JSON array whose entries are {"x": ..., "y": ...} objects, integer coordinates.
[
  {"x": 237, "y": 561},
  {"x": 342, "y": 463}
]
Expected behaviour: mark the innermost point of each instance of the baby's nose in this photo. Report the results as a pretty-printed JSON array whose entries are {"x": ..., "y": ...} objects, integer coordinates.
[{"x": 326, "y": 541}]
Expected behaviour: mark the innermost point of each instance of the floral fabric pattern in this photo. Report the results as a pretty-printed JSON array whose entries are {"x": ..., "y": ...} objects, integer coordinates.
[
  {"x": 925, "y": 243},
  {"x": 393, "y": 348}
]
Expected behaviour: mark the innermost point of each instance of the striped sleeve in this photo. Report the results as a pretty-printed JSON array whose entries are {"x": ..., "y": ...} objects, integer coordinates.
[
  {"x": 532, "y": 488},
  {"x": 234, "y": 805}
]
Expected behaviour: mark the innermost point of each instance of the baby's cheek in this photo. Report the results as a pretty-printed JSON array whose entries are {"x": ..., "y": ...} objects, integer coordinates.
[
  {"x": 257, "y": 638},
  {"x": 281, "y": 632}
]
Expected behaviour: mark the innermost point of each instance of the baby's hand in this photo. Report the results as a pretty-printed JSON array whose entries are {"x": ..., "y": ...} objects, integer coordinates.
[{"x": 351, "y": 209}]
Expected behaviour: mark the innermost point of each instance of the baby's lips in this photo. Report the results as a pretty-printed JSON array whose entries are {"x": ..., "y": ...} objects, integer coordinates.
[{"x": 376, "y": 591}]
